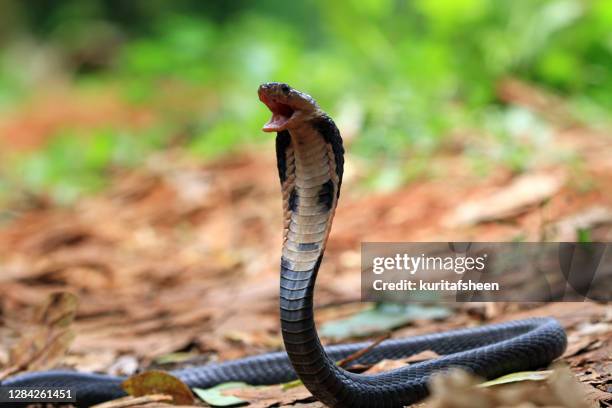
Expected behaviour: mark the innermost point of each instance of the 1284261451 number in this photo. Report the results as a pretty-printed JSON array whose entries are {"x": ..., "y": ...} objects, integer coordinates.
[{"x": 31, "y": 394}]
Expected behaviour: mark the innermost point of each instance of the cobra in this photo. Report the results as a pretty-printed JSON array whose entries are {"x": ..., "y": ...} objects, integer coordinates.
[{"x": 310, "y": 158}]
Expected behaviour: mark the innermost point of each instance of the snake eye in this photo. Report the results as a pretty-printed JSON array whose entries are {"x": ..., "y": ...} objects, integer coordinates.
[{"x": 285, "y": 88}]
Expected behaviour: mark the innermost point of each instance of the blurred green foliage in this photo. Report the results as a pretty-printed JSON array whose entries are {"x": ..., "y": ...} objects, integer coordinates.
[
  {"x": 73, "y": 165},
  {"x": 415, "y": 70}
]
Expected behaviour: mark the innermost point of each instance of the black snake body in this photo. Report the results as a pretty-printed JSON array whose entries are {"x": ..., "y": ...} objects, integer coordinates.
[{"x": 310, "y": 164}]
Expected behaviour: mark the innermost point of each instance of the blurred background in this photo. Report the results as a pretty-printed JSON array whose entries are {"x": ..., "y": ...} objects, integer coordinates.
[
  {"x": 116, "y": 81},
  {"x": 134, "y": 174}
]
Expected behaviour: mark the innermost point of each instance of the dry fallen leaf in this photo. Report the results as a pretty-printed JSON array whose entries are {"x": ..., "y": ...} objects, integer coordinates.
[
  {"x": 572, "y": 393},
  {"x": 458, "y": 389},
  {"x": 158, "y": 382},
  {"x": 58, "y": 311},
  {"x": 47, "y": 339},
  {"x": 274, "y": 395},
  {"x": 566, "y": 229},
  {"x": 134, "y": 401},
  {"x": 387, "y": 365},
  {"x": 578, "y": 346},
  {"x": 422, "y": 356},
  {"x": 507, "y": 201}
]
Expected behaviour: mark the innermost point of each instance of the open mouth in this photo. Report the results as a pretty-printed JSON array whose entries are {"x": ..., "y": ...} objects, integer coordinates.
[{"x": 281, "y": 113}]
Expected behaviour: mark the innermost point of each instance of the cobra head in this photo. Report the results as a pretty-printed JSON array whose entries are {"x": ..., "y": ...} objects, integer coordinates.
[{"x": 290, "y": 108}]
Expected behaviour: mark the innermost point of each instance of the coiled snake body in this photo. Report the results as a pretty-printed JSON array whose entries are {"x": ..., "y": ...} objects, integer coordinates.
[{"x": 310, "y": 164}]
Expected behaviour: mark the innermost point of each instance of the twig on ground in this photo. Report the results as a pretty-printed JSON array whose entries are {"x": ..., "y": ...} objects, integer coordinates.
[
  {"x": 133, "y": 401},
  {"x": 349, "y": 359}
]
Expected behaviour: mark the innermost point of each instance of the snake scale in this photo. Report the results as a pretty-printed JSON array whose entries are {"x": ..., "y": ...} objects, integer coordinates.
[{"x": 310, "y": 158}]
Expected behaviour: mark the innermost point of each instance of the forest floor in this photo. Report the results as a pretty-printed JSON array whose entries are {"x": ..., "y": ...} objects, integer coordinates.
[{"x": 176, "y": 263}]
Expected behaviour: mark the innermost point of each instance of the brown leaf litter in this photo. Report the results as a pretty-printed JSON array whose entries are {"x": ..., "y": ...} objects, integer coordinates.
[
  {"x": 180, "y": 257},
  {"x": 459, "y": 389},
  {"x": 45, "y": 339}
]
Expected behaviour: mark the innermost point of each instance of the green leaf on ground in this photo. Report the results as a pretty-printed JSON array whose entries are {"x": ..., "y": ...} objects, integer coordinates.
[
  {"x": 214, "y": 396},
  {"x": 292, "y": 384},
  {"x": 381, "y": 318},
  {"x": 517, "y": 377}
]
